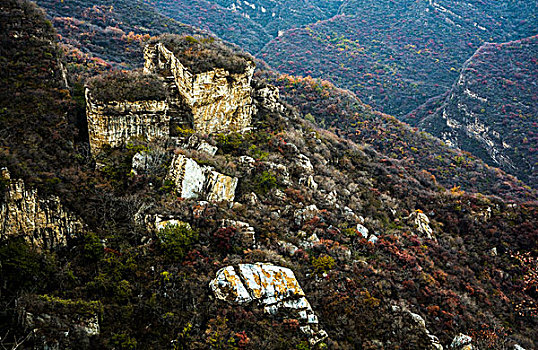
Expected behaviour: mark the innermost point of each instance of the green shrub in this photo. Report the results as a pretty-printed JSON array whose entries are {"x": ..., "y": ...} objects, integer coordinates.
[
  {"x": 176, "y": 239},
  {"x": 264, "y": 182},
  {"x": 92, "y": 247},
  {"x": 323, "y": 263},
  {"x": 123, "y": 341}
]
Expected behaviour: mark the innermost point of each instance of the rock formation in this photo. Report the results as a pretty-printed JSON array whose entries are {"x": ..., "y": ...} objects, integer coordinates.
[
  {"x": 462, "y": 342},
  {"x": 273, "y": 287},
  {"x": 42, "y": 221},
  {"x": 419, "y": 325},
  {"x": 217, "y": 100},
  {"x": 113, "y": 123},
  {"x": 195, "y": 181}
]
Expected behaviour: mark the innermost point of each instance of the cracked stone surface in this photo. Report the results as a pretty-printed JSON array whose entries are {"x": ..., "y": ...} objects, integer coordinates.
[{"x": 273, "y": 287}]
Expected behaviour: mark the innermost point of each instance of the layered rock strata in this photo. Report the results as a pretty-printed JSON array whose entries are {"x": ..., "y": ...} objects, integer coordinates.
[
  {"x": 42, "y": 221},
  {"x": 113, "y": 123},
  {"x": 218, "y": 101},
  {"x": 275, "y": 288}
]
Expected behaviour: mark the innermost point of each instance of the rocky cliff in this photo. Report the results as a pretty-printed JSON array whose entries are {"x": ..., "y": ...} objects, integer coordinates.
[
  {"x": 113, "y": 123},
  {"x": 42, "y": 221},
  {"x": 218, "y": 100}
]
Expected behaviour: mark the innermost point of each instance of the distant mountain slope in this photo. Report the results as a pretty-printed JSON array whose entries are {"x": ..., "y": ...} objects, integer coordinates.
[
  {"x": 226, "y": 24},
  {"x": 428, "y": 158},
  {"x": 249, "y": 24},
  {"x": 107, "y": 31},
  {"x": 492, "y": 110},
  {"x": 395, "y": 56}
]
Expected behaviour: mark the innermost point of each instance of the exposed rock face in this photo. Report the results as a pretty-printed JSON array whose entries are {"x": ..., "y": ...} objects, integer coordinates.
[
  {"x": 462, "y": 342},
  {"x": 194, "y": 181},
  {"x": 43, "y": 221},
  {"x": 274, "y": 287},
  {"x": 269, "y": 98},
  {"x": 422, "y": 223},
  {"x": 188, "y": 176},
  {"x": 220, "y": 187},
  {"x": 490, "y": 110},
  {"x": 114, "y": 123},
  {"x": 218, "y": 100},
  {"x": 419, "y": 323}
]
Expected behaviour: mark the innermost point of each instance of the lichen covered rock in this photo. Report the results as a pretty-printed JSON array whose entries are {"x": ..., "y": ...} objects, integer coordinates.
[
  {"x": 219, "y": 101},
  {"x": 273, "y": 287},
  {"x": 42, "y": 221}
]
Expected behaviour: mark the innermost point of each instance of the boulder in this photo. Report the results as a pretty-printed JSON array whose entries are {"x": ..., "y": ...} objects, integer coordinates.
[
  {"x": 194, "y": 181},
  {"x": 273, "y": 287}
]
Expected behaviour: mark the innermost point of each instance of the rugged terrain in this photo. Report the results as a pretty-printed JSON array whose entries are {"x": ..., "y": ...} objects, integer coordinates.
[
  {"x": 282, "y": 235},
  {"x": 491, "y": 110}
]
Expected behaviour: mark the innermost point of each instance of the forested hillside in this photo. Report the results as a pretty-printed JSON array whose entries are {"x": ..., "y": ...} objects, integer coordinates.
[
  {"x": 492, "y": 108},
  {"x": 395, "y": 57}
]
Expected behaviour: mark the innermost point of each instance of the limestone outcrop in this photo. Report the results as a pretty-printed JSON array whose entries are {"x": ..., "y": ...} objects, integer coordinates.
[
  {"x": 113, "y": 123},
  {"x": 275, "y": 288},
  {"x": 42, "y": 221},
  {"x": 462, "y": 342},
  {"x": 194, "y": 181},
  {"x": 421, "y": 223},
  {"x": 218, "y": 101}
]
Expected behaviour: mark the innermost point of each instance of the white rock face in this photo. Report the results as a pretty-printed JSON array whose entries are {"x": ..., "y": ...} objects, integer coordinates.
[
  {"x": 42, "y": 221},
  {"x": 462, "y": 342},
  {"x": 207, "y": 148},
  {"x": 220, "y": 187},
  {"x": 363, "y": 231},
  {"x": 304, "y": 165},
  {"x": 422, "y": 223},
  {"x": 303, "y": 215},
  {"x": 188, "y": 176},
  {"x": 161, "y": 223},
  {"x": 273, "y": 287},
  {"x": 269, "y": 97},
  {"x": 195, "y": 181}
]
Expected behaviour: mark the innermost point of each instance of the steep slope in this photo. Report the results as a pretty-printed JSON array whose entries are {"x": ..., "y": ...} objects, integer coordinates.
[
  {"x": 451, "y": 168},
  {"x": 395, "y": 56},
  {"x": 355, "y": 243},
  {"x": 491, "y": 111},
  {"x": 249, "y": 24},
  {"x": 106, "y": 32},
  {"x": 343, "y": 113},
  {"x": 36, "y": 137}
]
